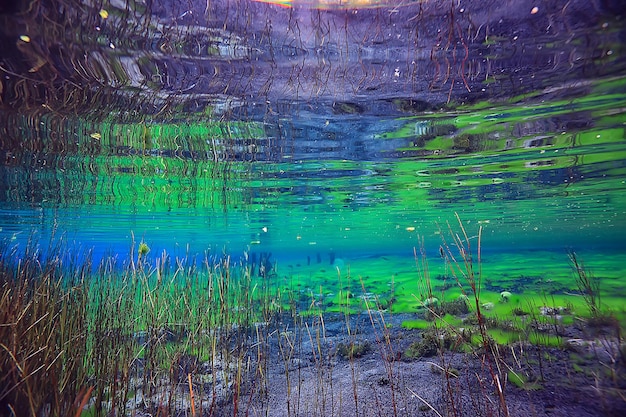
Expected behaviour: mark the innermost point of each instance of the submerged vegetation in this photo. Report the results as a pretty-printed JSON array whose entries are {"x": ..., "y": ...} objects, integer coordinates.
[
  {"x": 124, "y": 335},
  {"x": 167, "y": 336},
  {"x": 302, "y": 127}
]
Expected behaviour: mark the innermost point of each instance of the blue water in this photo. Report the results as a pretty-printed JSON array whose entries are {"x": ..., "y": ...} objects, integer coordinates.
[{"x": 311, "y": 131}]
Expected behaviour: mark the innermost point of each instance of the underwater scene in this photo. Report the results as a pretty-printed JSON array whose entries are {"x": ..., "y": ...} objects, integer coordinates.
[{"x": 312, "y": 208}]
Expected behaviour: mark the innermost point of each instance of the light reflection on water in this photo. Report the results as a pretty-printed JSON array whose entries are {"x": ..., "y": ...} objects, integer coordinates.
[
  {"x": 306, "y": 130},
  {"x": 545, "y": 192}
]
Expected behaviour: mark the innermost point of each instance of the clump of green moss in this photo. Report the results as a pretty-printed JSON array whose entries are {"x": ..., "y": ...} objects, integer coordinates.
[
  {"x": 424, "y": 348},
  {"x": 491, "y": 322},
  {"x": 518, "y": 311},
  {"x": 457, "y": 307},
  {"x": 352, "y": 350},
  {"x": 430, "y": 303},
  {"x": 143, "y": 249},
  {"x": 517, "y": 379},
  {"x": 386, "y": 304},
  {"x": 603, "y": 321},
  {"x": 521, "y": 381},
  {"x": 433, "y": 340},
  {"x": 449, "y": 371},
  {"x": 415, "y": 324}
]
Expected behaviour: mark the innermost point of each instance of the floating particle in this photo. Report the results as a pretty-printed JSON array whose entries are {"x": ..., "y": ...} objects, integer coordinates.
[
  {"x": 534, "y": 10},
  {"x": 410, "y": 229},
  {"x": 264, "y": 228}
]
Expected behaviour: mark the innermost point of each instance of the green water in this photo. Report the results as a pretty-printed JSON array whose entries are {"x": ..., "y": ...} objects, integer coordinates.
[{"x": 328, "y": 144}]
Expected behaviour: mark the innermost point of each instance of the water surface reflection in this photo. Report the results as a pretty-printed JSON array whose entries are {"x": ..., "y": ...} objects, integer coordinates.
[{"x": 312, "y": 128}]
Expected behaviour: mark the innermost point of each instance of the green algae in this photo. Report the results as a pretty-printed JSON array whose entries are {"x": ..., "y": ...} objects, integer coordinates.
[
  {"x": 446, "y": 321},
  {"x": 521, "y": 381},
  {"x": 517, "y": 273},
  {"x": 533, "y": 291},
  {"x": 502, "y": 337},
  {"x": 416, "y": 324},
  {"x": 493, "y": 126},
  {"x": 546, "y": 340}
]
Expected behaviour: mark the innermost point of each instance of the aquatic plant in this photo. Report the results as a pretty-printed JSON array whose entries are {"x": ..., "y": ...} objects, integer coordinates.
[
  {"x": 42, "y": 334},
  {"x": 437, "y": 338},
  {"x": 121, "y": 336},
  {"x": 385, "y": 347},
  {"x": 456, "y": 307},
  {"x": 588, "y": 284},
  {"x": 521, "y": 381},
  {"x": 433, "y": 341},
  {"x": 352, "y": 350},
  {"x": 179, "y": 337},
  {"x": 143, "y": 249},
  {"x": 462, "y": 268}
]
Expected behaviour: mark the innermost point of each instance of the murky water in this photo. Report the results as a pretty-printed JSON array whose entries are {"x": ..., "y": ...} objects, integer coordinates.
[{"x": 319, "y": 131}]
